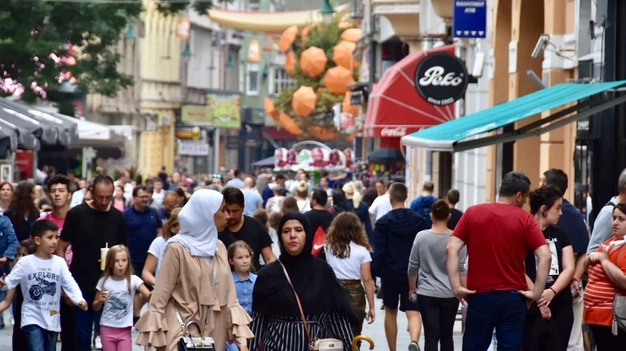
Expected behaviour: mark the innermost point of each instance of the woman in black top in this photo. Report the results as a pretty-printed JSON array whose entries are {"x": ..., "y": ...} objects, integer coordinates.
[
  {"x": 276, "y": 321},
  {"x": 549, "y": 321},
  {"x": 22, "y": 211}
]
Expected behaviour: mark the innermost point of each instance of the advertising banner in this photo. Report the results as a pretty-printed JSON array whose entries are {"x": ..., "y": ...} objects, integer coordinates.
[
  {"x": 197, "y": 115},
  {"x": 225, "y": 109},
  {"x": 311, "y": 160}
]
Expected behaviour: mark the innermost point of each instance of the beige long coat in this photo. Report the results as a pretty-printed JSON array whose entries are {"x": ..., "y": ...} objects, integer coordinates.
[{"x": 187, "y": 283}]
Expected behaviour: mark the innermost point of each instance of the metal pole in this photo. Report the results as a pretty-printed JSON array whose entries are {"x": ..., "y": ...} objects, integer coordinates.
[{"x": 216, "y": 150}]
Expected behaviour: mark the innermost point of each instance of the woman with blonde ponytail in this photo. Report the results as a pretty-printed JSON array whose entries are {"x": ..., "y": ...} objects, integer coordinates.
[{"x": 358, "y": 207}]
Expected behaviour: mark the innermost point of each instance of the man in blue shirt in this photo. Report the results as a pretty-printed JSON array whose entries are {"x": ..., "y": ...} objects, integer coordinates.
[
  {"x": 252, "y": 198},
  {"x": 143, "y": 225},
  {"x": 268, "y": 191},
  {"x": 573, "y": 223},
  {"x": 236, "y": 181}
]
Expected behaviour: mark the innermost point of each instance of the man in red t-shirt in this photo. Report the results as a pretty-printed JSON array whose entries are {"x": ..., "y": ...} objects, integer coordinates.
[{"x": 498, "y": 238}]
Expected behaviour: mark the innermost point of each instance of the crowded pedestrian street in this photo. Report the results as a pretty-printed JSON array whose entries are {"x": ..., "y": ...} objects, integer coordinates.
[{"x": 312, "y": 175}]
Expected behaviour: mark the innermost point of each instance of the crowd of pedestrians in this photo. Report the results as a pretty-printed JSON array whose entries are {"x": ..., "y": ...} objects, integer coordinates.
[{"x": 269, "y": 263}]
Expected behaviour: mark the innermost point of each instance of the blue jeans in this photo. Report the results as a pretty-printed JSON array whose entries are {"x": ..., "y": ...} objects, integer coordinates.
[
  {"x": 85, "y": 322},
  {"x": 39, "y": 339},
  {"x": 503, "y": 310}
]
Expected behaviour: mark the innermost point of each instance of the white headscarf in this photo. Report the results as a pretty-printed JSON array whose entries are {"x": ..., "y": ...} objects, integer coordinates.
[{"x": 198, "y": 233}]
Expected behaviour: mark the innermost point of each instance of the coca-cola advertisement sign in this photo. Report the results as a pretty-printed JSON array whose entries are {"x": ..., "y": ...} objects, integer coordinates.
[
  {"x": 441, "y": 78},
  {"x": 396, "y": 132}
]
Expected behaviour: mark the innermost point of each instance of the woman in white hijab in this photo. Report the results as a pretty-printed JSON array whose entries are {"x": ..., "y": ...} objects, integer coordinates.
[{"x": 195, "y": 283}]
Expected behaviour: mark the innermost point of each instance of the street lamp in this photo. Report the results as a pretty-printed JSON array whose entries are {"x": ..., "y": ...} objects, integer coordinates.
[
  {"x": 327, "y": 12},
  {"x": 186, "y": 54}
]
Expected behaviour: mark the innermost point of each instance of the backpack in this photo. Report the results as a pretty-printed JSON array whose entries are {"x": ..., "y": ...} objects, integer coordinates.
[
  {"x": 318, "y": 241},
  {"x": 423, "y": 206}
]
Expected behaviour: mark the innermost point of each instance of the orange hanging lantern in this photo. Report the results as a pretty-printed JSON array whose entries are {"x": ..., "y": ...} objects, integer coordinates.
[
  {"x": 337, "y": 80},
  {"x": 290, "y": 63},
  {"x": 313, "y": 61},
  {"x": 343, "y": 55},
  {"x": 352, "y": 34},
  {"x": 303, "y": 101},
  {"x": 287, "y": 38},
  {"x": 288, "y": 123},
  {"x": 270, "y": 109},
  {"x": 322, "y": 133}
]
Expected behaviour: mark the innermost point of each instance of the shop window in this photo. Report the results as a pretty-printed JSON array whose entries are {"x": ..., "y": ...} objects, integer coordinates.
[
  {"x": 252, "y": 79},
  {"x": 280, "y": 80}
]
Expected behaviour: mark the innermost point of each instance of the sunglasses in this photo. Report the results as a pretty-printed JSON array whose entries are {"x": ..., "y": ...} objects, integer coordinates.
[{"x": 217, "y": 176}]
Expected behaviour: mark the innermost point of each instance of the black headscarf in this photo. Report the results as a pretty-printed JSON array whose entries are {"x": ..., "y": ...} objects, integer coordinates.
[{"x": 313, "y": 279}]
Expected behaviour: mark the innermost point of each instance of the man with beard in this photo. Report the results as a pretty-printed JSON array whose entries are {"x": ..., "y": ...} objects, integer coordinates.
[
  {"x": 90, "y": 227},
  {"x": 247, "y": 229},
  {"x": 60, "y": 195}
]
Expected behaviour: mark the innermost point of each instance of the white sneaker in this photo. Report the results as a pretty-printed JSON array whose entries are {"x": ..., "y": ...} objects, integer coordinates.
[{"x": 97, "y": 343}]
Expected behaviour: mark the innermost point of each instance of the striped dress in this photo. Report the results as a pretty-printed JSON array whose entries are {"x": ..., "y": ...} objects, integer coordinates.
[
  {"x": 600, "y": 291},
  {"x": 276, "y": 333}
]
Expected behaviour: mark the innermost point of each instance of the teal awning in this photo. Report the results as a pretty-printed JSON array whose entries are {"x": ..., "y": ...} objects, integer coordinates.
[{"x": 460, "y": 134}]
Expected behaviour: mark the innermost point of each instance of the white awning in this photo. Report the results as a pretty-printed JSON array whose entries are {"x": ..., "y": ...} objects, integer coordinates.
[{"x": 91, "y": 134}]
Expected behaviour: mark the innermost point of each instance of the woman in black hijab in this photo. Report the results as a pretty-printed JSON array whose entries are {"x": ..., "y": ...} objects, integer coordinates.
[{"x": 277, "y": 324}]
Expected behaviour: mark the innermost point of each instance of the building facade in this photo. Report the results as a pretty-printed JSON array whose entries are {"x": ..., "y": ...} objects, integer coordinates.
[{"x": 502, "y": 64}]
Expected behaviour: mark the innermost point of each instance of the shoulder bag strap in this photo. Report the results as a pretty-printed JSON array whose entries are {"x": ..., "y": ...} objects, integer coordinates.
[{"x": 306, "y": 325}]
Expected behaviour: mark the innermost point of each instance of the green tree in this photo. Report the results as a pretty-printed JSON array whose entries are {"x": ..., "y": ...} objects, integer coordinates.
[{"x": 32, "y": 30}]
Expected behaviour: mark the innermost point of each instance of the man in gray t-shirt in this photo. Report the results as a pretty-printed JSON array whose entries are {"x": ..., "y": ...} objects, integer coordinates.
[{"x": 602, "y": 225}]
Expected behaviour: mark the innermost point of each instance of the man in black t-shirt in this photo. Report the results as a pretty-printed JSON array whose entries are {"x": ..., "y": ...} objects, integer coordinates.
[
  {"x": 245, "y": 228},
  {"x": 319, "y": 217},
  {"x": 90, "y": 227},
  {"x": 455, "y": 215}
]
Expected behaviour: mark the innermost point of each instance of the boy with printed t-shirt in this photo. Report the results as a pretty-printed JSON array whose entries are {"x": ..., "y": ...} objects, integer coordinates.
[{"x": 41, "y": 277}]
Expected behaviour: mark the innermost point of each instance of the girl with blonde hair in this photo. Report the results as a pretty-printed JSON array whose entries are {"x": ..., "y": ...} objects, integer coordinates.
[
  {"x": 358, "y": 207},
  {"x": 116, "y": 290}
]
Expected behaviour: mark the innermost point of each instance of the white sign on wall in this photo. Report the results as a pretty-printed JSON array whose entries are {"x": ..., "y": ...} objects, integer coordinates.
[{"x": 193, "y": 148}]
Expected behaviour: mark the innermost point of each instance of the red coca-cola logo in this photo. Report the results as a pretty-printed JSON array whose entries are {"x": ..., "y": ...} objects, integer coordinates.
[{"x": 393, "y": 132}]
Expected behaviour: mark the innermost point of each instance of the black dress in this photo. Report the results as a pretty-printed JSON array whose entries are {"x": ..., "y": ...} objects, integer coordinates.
[{"x": 276, "y": 321}]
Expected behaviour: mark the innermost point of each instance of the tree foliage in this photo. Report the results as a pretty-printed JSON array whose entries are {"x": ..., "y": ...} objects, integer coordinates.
[{"x": 35, "y": 34}]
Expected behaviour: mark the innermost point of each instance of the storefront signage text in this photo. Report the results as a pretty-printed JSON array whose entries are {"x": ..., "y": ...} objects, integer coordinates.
[
  {"x": 193, "y": 148},
  {"x": 441, "y": 78},
  {"x": 393, "y": 132}
]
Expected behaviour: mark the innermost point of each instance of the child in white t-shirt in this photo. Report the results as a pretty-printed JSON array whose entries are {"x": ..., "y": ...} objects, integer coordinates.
[
  {"x": 116, "y": 290},
  {"x": 41, "y": 277}
]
